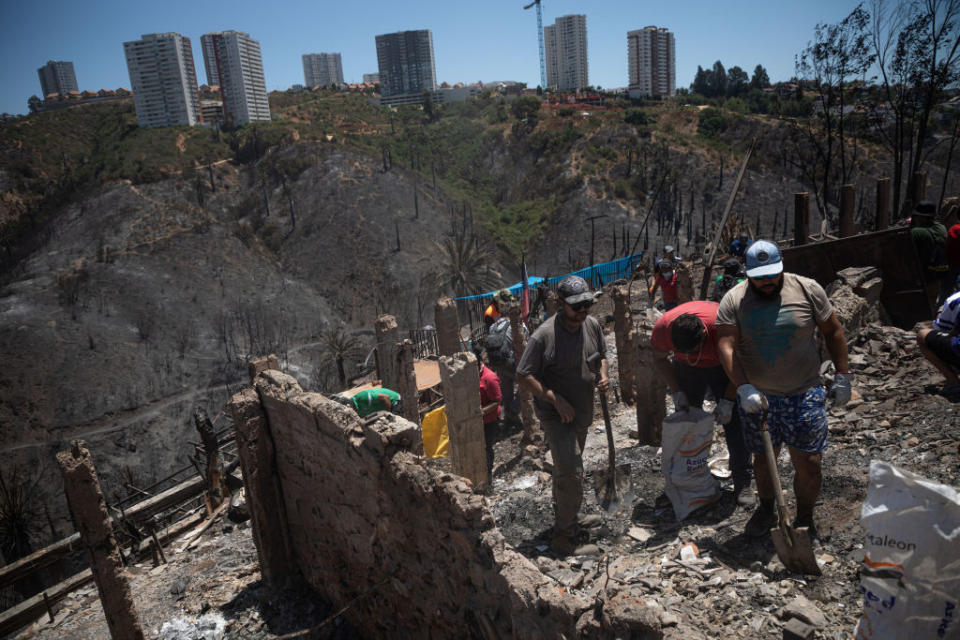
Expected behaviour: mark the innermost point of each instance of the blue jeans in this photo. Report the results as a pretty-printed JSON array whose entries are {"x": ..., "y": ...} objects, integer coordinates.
[{"x": 694, "y": 381}]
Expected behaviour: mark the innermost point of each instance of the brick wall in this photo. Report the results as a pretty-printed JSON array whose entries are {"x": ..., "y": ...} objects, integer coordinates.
[{"x": 364, "y": 515}]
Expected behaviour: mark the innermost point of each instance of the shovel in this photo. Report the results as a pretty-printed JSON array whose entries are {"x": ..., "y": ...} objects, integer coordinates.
[
  {"x": 792, "y": 544},
  {"x": 609, "y": 484}
]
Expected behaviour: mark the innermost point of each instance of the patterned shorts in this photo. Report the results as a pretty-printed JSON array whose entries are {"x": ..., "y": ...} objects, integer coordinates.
[{"x": 799, "y": 421}]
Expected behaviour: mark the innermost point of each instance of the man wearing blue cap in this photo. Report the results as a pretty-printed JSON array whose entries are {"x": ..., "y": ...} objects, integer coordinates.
[{"x": 766, "y": 327}]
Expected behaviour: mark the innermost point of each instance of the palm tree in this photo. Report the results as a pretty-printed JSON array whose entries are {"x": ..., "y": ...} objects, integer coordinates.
[
  {"x": 337, "y": 346},
  {"x": 464, "y": 267}
]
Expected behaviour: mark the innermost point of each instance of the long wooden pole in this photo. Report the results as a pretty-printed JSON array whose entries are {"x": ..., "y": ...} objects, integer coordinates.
[{"x": 723, "y": 221}]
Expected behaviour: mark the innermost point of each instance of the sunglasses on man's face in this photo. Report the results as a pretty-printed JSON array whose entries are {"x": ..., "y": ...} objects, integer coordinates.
[{"x": 580, "y": 306}]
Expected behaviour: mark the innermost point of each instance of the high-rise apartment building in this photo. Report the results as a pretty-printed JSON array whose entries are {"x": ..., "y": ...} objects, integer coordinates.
[
  {"x": 565, "y": 49},
  {"x": 57, "y": 77},
  {"x": 322, "y": 69},
  {"x": 163, "y": 80},
  {"x": 209, "y": 60},
  {"x": 651, "y": 62},
  {"x": 406, "y": 66},
  {"x": 240, "y": 72},
  {"x": 372, "y": 78}
]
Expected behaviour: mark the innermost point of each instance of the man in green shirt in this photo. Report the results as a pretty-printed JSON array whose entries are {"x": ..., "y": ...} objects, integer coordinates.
[
  {"x": 369, "y": 400},
  {"x": 930, "y": 240}
]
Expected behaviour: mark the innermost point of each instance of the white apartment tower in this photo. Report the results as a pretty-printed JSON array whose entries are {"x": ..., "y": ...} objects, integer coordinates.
[
  {"x": 57, "y": 77},
  {"x": 406, "y": 66},
  {"x": 240, "y": 70},
  {"x": 651, "y": 62},
  {"x": 565, "y": 49},
  {"x": 163, "y": 80},
  {"x": 322, "y": 69},
  {"x": 209, "y": 60}
]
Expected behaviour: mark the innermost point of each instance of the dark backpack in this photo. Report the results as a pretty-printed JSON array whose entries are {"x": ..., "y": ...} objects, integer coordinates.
[{"x": 499, "y": 342}]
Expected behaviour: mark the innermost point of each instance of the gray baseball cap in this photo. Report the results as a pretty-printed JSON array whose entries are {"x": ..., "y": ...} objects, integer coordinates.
[{"x": 574, "y": 289}]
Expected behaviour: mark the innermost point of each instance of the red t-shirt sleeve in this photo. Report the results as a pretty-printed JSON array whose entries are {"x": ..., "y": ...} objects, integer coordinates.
[{"x": 660, "y": 337}]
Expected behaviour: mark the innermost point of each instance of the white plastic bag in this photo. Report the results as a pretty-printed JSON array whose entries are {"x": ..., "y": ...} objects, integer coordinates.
[
  {"x": 910, "y": 577},
  {"x": 687, "y": 437}
]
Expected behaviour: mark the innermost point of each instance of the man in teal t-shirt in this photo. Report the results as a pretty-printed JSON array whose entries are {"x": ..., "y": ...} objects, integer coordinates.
[{"x": 369, "y": 400}]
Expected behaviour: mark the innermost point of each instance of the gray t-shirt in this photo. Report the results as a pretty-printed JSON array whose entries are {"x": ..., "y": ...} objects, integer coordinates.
[
  {"x": 777, "y": 348},
  {"x": 558, "y": 359}
]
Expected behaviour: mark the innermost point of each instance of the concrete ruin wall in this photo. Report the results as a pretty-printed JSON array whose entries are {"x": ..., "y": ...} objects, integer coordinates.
[{"x": 367, "y": 517}]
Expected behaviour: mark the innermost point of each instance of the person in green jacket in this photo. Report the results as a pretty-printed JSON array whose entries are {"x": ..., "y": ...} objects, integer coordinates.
[
  {"x": 930, "y": 240},
  {"x": 379, "y": 399}
]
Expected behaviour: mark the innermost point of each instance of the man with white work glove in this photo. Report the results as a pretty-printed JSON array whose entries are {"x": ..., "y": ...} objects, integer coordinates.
[
  {"x": 766, "y": 327},
  {"x": 689, "y": 333}
]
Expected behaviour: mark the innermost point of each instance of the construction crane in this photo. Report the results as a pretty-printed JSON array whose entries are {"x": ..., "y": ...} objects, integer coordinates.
[{"x": 543, "y": 64}]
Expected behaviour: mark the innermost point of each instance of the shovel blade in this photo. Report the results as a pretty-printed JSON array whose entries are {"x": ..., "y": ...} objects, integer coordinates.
[
  {"x": 612, "y": 487},
  {"x": 795, "y": 550}
]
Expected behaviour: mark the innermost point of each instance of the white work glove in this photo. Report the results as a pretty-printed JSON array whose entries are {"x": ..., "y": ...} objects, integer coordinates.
[
  {"x": 680, "y": 402},
  {"x": 724, "y": 411},
  {"x": 841, "y": 389},
  {"x": 751, "y": 400}
]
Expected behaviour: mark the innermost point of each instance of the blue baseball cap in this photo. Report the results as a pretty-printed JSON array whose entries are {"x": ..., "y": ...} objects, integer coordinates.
[{"x": 763, "y": 259}]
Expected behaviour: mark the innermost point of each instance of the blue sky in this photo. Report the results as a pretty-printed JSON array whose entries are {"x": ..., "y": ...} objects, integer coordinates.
[{"x": 491, "y": 40}]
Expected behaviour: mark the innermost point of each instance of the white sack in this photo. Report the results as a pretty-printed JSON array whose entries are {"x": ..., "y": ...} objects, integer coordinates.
[
  {"x": 687, "y": 437},
  {"x": 910, "y": 577}
]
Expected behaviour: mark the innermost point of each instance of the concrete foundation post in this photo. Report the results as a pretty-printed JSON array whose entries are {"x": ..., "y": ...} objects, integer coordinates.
[
  {"x": 626, "y": 352},
  {"x": 448, "y": 326},
  {"x": 527, "y": 415},
  {"x": 460, "y": 377},
  {"x": 254, "y": 367},
  {"x": 90, "y": 514},
  {"x": 261, "y": 484},
  {"x": 651, "y": 391},
  {"x": 407, "y": 382},
  {"x": 388, "y": 344},
  {"x": 684, "y": 282}
]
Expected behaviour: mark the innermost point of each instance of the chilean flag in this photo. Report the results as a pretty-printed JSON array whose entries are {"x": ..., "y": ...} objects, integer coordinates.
[{"x": 524, "y": 291}]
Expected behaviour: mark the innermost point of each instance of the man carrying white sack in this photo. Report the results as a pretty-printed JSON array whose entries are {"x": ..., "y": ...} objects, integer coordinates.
[{"x": 766, "y": 327}]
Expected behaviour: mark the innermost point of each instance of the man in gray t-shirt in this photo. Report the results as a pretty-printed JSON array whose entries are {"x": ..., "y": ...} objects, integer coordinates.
[
  {"x": 766, "y": 327},
  {"x": 554, "y": 368}
]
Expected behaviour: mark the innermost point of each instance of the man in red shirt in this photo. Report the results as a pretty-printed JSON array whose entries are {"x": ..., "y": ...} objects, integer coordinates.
[
  {"x": 490, "y": 397},
  {"x": 689, "y": 331},
  {"x": 666, "y": 279}
]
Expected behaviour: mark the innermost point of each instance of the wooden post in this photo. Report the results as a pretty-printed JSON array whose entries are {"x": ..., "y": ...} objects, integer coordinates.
[
  {"x": 407, "y": 382},
  {"x": 89, "y": 511},
  {"x": 448, "y": 326},
  {"x": 527, "y": 415},
  {"x": 213, "y": 468},
  {"x": 460, "y": 377},
  {"x": 626, "y": 354},
  {"x": 847, "y": 196},
  {"x": 651, "y": 391},
  {"x": 883, "y": 204},
  {"x": 919, "y": 187},
  {"x": 801, "y": 218}
]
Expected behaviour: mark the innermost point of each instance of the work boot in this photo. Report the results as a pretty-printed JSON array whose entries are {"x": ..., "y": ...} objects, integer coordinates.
[
  {"x": 763, "y": 519},
  {"x": 589, "y": 521},
  {"x": 563, "y": 545},
  {"x": 806, "y": 520},
  {"x": 743, "y": 493}
]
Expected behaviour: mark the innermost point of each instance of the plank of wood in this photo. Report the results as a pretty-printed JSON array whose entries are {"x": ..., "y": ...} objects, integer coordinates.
[
  {"x": 38, "y": 560},
  {"x": 172, "y": 496},
  {"x": 34, "y": 607}
]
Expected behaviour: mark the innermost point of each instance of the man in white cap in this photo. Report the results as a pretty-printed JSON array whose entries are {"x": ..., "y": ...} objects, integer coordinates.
[
  {"x": 554, "y": 367},
  {"x": 766, "y": 327}
]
